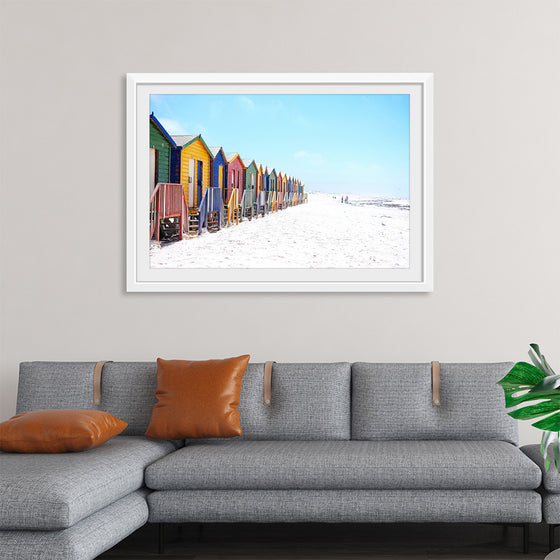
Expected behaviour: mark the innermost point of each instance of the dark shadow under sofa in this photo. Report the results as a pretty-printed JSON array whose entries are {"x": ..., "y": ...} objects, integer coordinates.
[{"x": 340, "y": 442}]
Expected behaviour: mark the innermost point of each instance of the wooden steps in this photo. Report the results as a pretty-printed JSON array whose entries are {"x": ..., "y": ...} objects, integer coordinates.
[
  {"x": 213, "y": 224},
  {"x": 193, "y": 221},
  {"x": 170, "y": 229}
]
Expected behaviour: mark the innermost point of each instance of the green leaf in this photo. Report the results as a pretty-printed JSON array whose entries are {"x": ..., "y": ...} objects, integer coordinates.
[
  {"x": 522, "y": 375},
  {"x": 556, "y": 451},
  {"x": 514, "y": 397},
  {"x": 536, "y": 410},
  {"x": 550, "y": 423},
  {"x": 547, "y": 437},
  {"x": 548, "y": 368},
  {"x": 536, "y": 361},
  {"x": 540, "y": 362},
  {"x": 548, "y": 442},
  {"x": 547, "y": 384}
]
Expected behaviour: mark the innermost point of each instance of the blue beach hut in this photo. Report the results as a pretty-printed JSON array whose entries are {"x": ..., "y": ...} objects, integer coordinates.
[{"x": 219, "y": 170}]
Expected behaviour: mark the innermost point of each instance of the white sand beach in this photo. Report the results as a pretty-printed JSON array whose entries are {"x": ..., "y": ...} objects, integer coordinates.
[{"x": 366, "y": 233}]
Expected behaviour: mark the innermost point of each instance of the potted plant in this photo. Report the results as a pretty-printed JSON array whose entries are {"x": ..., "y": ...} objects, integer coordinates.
[{"x": 526, "y": 383}]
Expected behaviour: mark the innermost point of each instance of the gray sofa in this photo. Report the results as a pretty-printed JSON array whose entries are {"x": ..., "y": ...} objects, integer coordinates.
[{"x": 340, "y": 443}]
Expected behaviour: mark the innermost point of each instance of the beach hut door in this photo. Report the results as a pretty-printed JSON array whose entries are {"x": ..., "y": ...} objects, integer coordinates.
[
  {"x": 191, "y": 183},
  {"x": 153, "y": 160},
  {"x": 199, "y": 181}
]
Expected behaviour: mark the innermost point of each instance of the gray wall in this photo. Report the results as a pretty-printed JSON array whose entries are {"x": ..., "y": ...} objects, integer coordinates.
[{"x": 497, "y": 180}]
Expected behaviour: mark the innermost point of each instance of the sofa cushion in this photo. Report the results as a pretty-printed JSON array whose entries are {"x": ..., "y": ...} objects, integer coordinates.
[
  {"x": 551, "y": 508},
  {"x": 344, "y": 465},
  {"x": 85, "y": 540},
  {"x": 394, "y": 401},
  {"x": 58, "y": 430},
  {"x": 309, "y": 402},
  {"x": 550, "y": 478},
  {"x": 54, "y": 491},
  {"x": 127, "y": 389},
  {"x": 40, "y": 385},
  {"x": 197, "y": 399}
]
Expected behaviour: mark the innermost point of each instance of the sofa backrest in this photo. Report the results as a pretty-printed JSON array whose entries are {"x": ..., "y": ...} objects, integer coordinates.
[
  {"x": 127, "y": 389},
  {"x": 394, "y": 401},
  {"x": 309, "y": 401}
]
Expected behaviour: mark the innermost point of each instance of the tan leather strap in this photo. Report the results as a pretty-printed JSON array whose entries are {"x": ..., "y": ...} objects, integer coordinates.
[
  {"x": 268, "y": 383},
  {"x": 97, "y": 381},
  {"x": 435, "y": 383}
]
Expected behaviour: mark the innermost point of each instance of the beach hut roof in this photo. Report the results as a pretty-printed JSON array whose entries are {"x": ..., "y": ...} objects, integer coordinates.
[
  {"x": 230, "y": 156},
  {"x": 163, "y": 131},
  {"x": 248, "y": 162},
  {"x": 184, "y": 140},
  {"x": 215, "y": 150}
]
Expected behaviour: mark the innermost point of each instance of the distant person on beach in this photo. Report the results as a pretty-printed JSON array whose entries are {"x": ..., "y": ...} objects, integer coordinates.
[
  {"x": 346, "y": 200},
  {"x": 342, "y": 199}
]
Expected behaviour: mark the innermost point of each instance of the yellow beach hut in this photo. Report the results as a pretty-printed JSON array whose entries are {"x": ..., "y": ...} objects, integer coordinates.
[{"x": 196, "y": 162}]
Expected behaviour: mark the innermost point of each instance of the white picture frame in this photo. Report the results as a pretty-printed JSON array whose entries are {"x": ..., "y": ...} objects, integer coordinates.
[{"x": 417, "y": 278}]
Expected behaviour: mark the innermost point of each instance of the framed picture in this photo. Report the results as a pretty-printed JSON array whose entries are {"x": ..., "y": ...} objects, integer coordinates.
[{"x": 280, "y": 182}]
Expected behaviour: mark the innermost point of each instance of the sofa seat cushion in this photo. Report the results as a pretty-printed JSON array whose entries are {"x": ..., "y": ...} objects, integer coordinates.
[
  {"x": 322, "y": 465},
  {"x": 85, "y": 540},
  {"x": 550, "y": 478},
  {"x": 54, "y": 491}
]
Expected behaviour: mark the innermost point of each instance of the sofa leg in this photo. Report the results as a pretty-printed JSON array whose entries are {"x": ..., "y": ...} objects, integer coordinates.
[
  {"x": 551, "y": 544},
  {"x": 525, "y": 538},
  {"x": 161, "y": 538}
]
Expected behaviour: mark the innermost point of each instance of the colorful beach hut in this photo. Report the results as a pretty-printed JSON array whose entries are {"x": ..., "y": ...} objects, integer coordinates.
[
  {"x": 235, "y": 186},
  {"x": 167, "y": 205},
  {"x": 285, "y": 190},
  {"x": 161, "y": 145},
  {"x": 219, "y": 170},
  {"x": 261, "y": 189},
  {"x": 249, "y": 197},
  {"x": 193, "y": 165},
  {"x": 211, "y": 210},
  {"x": 280, "y": 187},
  {"x": 271, "y": 192},
  {"x": 291, "y": 191},
  {"x": 286, "y": 197}
]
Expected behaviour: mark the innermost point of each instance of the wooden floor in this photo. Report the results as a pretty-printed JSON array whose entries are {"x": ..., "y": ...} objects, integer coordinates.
[{"x": 333, "y": 542}]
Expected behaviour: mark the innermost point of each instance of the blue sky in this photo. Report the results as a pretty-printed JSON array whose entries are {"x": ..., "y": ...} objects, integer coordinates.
[{"x": 333, "y": 143}]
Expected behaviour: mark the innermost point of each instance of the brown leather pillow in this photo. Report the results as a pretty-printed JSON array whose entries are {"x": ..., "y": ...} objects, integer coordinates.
[
  {"x": 197, "y": 399},
  {"x": 58, "y": 431}
]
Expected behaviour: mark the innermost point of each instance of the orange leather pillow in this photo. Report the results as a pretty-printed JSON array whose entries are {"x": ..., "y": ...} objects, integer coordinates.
[
  {"x": 197, "y": 399},
  {"x": 58, "y": 431}
]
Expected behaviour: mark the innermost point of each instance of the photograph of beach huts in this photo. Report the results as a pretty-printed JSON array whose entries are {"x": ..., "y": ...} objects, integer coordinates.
[{"x": 293, "y": 181}]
